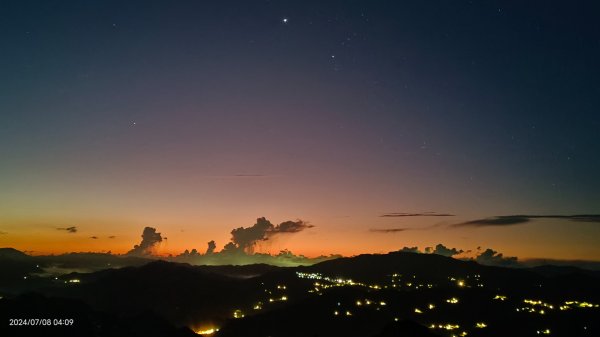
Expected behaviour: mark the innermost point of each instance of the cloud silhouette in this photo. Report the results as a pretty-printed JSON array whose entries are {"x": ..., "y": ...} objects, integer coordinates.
[
  {"x": 72, "y": 229},
  {"x": 492, "y": 257},
  {"x": 244, "y": 239},
  {"x": 440, "y": 249},
  {"x": 388, "y": 230},
  {"x": 410, "y": 250},
  {"x": 401, "y": 214},
  {"x": 150, "y": 238},
  {"x": 112, "y": 237},
  {"x": 211, "y": 247},
  {"x": 94, "y": 237},
  {"x": 509, "y": 220},
  {"x": 3, "y": 233}
]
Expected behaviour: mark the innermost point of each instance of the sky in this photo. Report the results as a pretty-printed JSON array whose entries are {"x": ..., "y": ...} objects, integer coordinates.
[{"x": 198, "y": 117}]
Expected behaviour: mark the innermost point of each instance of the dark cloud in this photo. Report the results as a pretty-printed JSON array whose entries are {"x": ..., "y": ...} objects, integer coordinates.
[
  {"x": 244, "y": 239},
  {"x": 440, "y": 249},
  {"x": 150, "y": 238},
  {"x": 94, "y": 237},
  {"x": 3, "y": 233},
  {"x": 492, "y": 257},
  {"x": 400, "y": 214},
  {"x": 290, "y": 227},
  {"x": 410, "y": 250},
  {"x": 508, "y": 220},
  {"x": 68, "y": 229},
  {"x": 112, "y": 237},
  {"x": 388, "y": 230},
  {"x": 211, "y": 247},
  {"x": 504, "y": 220}
]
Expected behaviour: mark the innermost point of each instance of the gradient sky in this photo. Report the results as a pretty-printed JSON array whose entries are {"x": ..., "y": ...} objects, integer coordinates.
[{"x": 197, "y": 118}]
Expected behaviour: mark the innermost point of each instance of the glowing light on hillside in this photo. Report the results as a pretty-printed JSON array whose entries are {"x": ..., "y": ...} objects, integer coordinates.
[{"x": 208, "y": 331}]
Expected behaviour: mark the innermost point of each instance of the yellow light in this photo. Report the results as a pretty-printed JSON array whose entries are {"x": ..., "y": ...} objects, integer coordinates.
[
  {"x": 382, "y": 303},
  {"x": 431, "y": 306},
  {"x": 480, "y": 325},
  {"x": 418, "y": 311},
  {"x": 500, "y": 297},
  {"x": 359, "y": 303},
  {"x": 452, "y": 300},
  {"x": 207, "y": 331},
  {"x": 451, "y": 326},
  {"x": 461, "y": 283},
  {"x": 238, "y": 314}
]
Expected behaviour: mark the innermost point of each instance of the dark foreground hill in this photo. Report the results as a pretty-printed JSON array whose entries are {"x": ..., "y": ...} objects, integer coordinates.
[{"x": 396, "y": 294}]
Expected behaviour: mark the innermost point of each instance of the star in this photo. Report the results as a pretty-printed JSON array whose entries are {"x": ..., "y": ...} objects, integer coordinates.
[{"x": 285, "y": 20}]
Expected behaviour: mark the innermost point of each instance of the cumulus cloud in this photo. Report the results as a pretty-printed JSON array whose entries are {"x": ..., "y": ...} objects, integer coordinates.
[
  {"x": 72, "y": 229},
  {"x": 211, "y": 247},
  {"x": 403, "y": 214},
  {"x": 509, "y": 220},
  {"x": 246, "y": 238},
  {"x": 492, "y": 257},
  {"x": 150, "y": 238},
  {"x": 410, "y": 250},
  {"x": 440, "y": 249}
]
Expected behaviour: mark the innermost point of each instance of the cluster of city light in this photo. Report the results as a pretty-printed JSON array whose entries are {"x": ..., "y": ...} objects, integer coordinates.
[
  {"x": 500, "y": 297},
  {"x": 539, "y": 303},
  {"x": 452, "y": 300},
  {"x": 543, "y": 332},
  {"x": 581, "y": 304},
  {"x": 531, "y": 310},
  {"x": 444, "y": 326},
  {"x": 238, "y": 313},
  {"x": 480, "y": 325},
  {"x": 280, "y": 299},
  {"x": 74, "y": 280},
  {"x": 334, "y": 281},
  {"x": 209, "y": 331}
]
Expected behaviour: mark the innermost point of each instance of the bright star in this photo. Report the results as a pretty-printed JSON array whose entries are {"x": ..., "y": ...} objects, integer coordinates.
[{"x": 285, "y": 20}]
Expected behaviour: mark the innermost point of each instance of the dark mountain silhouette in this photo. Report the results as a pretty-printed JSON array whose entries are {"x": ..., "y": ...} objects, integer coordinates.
[
  {"x": 14, "y": 254},
  {"x": 395, "y": 294}
]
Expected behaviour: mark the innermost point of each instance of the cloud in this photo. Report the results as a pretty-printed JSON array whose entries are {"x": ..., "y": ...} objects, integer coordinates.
[
  {"x": 150, "y": 238},
  {"x": 400, "y": 214},
  {"x": 492, "y": 257},
  {"x": 388, "y": 230},
  {"x": 290, "y": 227},
  {"x": 410, "y": 250},
  {"x": 3, "y": 233},
  {"x": 112, "y": 237},
  {"x": 245, "y": 238},
  {"x": 94, "y": 237},
  {"x": 509, "y": 220},
  {"x": 68, "y": 229},
  {"x": 211, "y": 247},
  {"x": 440, "y": 249}
]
